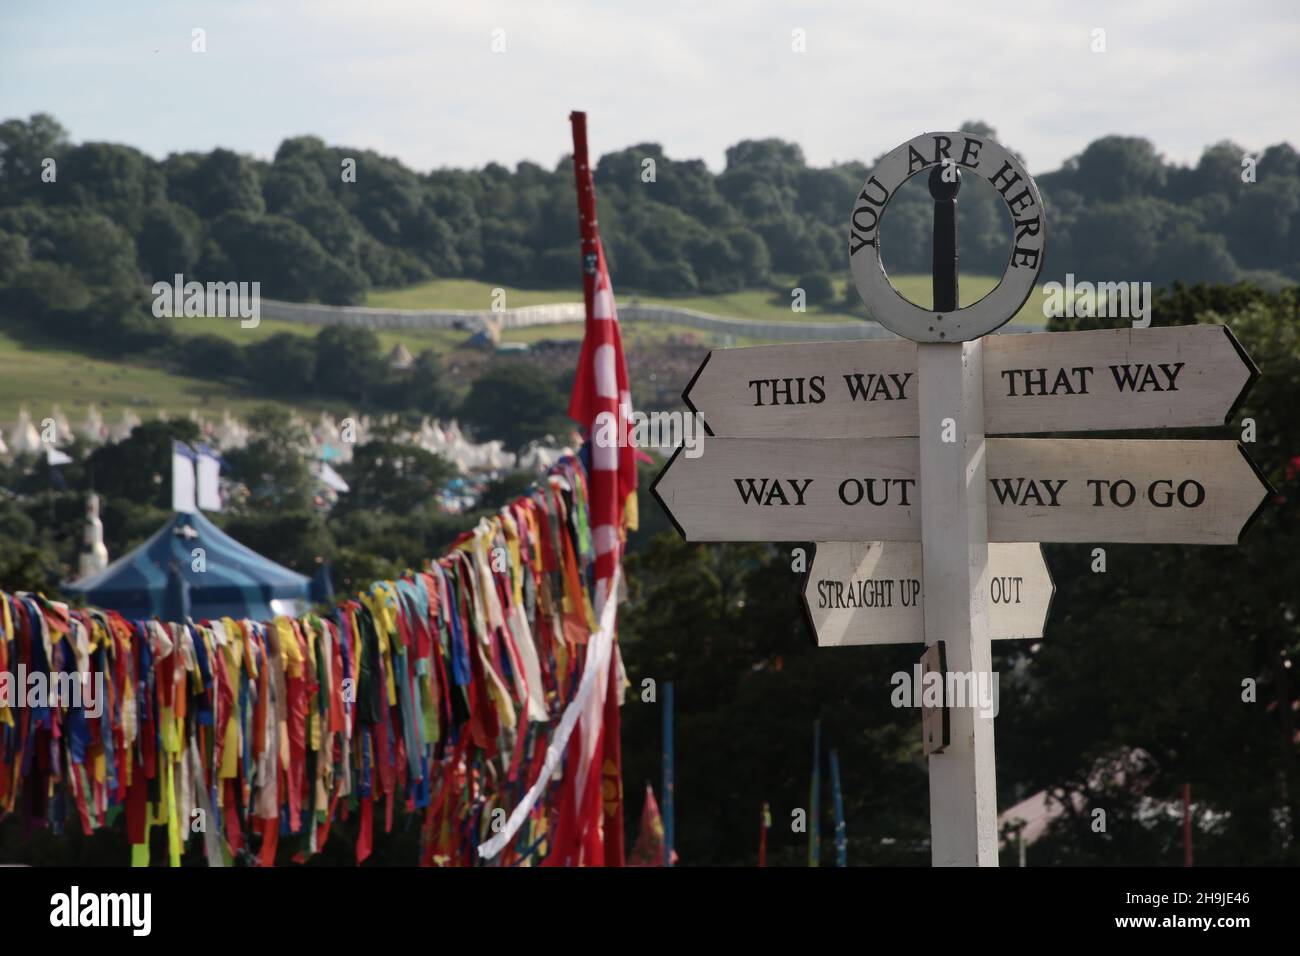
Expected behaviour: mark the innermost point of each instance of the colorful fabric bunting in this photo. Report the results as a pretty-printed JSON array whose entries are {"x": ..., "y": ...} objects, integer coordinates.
[{"x": 435, "y": 694}]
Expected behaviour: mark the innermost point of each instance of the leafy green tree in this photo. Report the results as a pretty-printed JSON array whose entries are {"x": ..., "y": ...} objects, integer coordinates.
[
  {"x": 394, "y": 477},
  {"x": 355, "y": 568},
  {"x": 168, "y": 240},
  {"x": 349, "y": 363},
  {"x": 675, "y": 277},
  {"x": 512, "y": 261},
  {"x": 15, "y": 255},
  {"x": 211, "y": 356},
  {"x": 1219, "y": 170},
  {"x": 294, "y": 182},
  {"x": 423, "y": 389},
  {"x": 45, "y": 289},
  {"x": 1187, "y": 252},
  {"x": 24, "y": 146},
  {"x": 336, "y": 231},
  {"x": 117, "y": 180},
  {"x": 273, "y": 466},
  {"x": 752, "y": 259},
  {"x": 1120, "y": 239},
  {"x": 818, "y": 287},
  {"x": 283, "y": 363},
  {"x": 139, "y": 468},
  {"x": 27, "y": 568},
  {"x": 98, "y": 249},
  {"x": 503, "y": 490},
  {"x": 224, "y": 182},
  {"x": 386, "y": 197},
  {"x": 277, "y": 252},
  {"x": 1260, "y": 223},
  {"x": 1119, "y": 167},
  {"x": 515, "y": 402}
]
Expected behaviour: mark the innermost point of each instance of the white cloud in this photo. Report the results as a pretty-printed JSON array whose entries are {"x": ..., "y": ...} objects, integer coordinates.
[{"x": 417, "y": 79}]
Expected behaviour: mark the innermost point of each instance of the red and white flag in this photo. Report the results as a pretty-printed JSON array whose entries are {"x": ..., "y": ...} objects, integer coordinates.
[
  {"x": 601, "y": 403},
  {"x": 602, "y": 406}
]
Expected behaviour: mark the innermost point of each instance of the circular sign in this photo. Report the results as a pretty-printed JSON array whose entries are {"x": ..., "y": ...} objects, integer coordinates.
[{"x": 972, "y": 154}]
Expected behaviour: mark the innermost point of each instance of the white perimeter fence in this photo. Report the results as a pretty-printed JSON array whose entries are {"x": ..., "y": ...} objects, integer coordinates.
[{"x": 569, "y": 312}]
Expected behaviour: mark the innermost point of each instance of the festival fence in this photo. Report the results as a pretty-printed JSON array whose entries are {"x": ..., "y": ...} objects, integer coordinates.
[{"x": 440, "y": 694}]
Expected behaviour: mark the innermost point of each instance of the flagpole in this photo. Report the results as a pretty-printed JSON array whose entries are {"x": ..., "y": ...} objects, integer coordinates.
[
  {"x": 815, "y": 799},
  {"x": 601, "y": 393},
  {"x": 668, "y": 774},
  {"x": 586, "y": 205},
  {"x": 841, "y": 832}
]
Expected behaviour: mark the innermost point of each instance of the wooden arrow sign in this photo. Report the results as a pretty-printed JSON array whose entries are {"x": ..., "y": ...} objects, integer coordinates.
[
  {"x": 794, "y": 489},
  {"x": 870, "y": 592},
  {"x": 1139, "y": 492},
  {"x": 1102, "y": 380},
  {"x": 819, "y": 390},
  {"x": 1110, "y": 379},
  {"x": 1049, "y": 489}
]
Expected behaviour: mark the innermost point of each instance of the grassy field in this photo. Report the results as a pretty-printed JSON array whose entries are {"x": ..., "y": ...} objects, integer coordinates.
[
  {"x": 39, "y": 375},
  {"x": 417, "y": 340},
  {"x": 465, "y": 294}
]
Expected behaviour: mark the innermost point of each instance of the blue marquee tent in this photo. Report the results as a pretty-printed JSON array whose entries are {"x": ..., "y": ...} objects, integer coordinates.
[{"x": 235, "y": 582}]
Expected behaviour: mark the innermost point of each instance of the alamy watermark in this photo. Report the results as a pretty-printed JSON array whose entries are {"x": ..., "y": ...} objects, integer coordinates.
[
  {"x": 222, "y": 300},
  {"x": 975, "y": 689},
  {"x": 650, "y": 430},
  {"x": 1103, "y": 300},
  {"x": 38, "y": 688},
  {"x": 73, "y": 909}
]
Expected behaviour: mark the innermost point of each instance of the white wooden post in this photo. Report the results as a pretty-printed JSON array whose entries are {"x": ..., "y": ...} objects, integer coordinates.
[{"x": 954, "y": 546}]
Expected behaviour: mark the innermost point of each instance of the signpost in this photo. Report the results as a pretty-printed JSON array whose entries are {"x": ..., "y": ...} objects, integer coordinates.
[
  {"x": 1100, "y": 380},
  {"x": 795, "y": 489},
  {"x": 870, "y": 592},
  {"x": 820, "y": 390},
  {"x": 1034, "y": 489},
  {"x": 1112, "y": 379},
  {"x": 1136, "y": 492},
  {"x": 927, "y": 527}
]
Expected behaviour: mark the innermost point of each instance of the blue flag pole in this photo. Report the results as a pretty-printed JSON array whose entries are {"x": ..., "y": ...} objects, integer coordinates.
[
  {"x": 668, "y": 773},
  {"x": 815, "y": 799},
  {"x": 841, "y": 833}
]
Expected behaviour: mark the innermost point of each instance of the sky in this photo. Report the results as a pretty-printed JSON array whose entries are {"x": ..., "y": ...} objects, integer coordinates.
[{"x": 420, "y": 80}]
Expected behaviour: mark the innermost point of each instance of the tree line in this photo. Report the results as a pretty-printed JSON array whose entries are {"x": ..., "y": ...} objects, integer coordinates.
[{"x": 81, "y": 225}]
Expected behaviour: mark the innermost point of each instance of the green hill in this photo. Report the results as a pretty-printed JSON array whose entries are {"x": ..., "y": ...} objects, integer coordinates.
[{"x": 39, "y": 375}]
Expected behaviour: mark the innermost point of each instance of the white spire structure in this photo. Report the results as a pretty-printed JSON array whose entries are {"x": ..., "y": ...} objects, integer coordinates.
[
  {"x": 127, "y": 425},
  {"x": 94, "y": 556},
  {"x": 231, "y": 434},
  {"x": 26, "y": 440},
  {"x": 94, "y": 430},
  {"x": 62, "y": 427}
]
